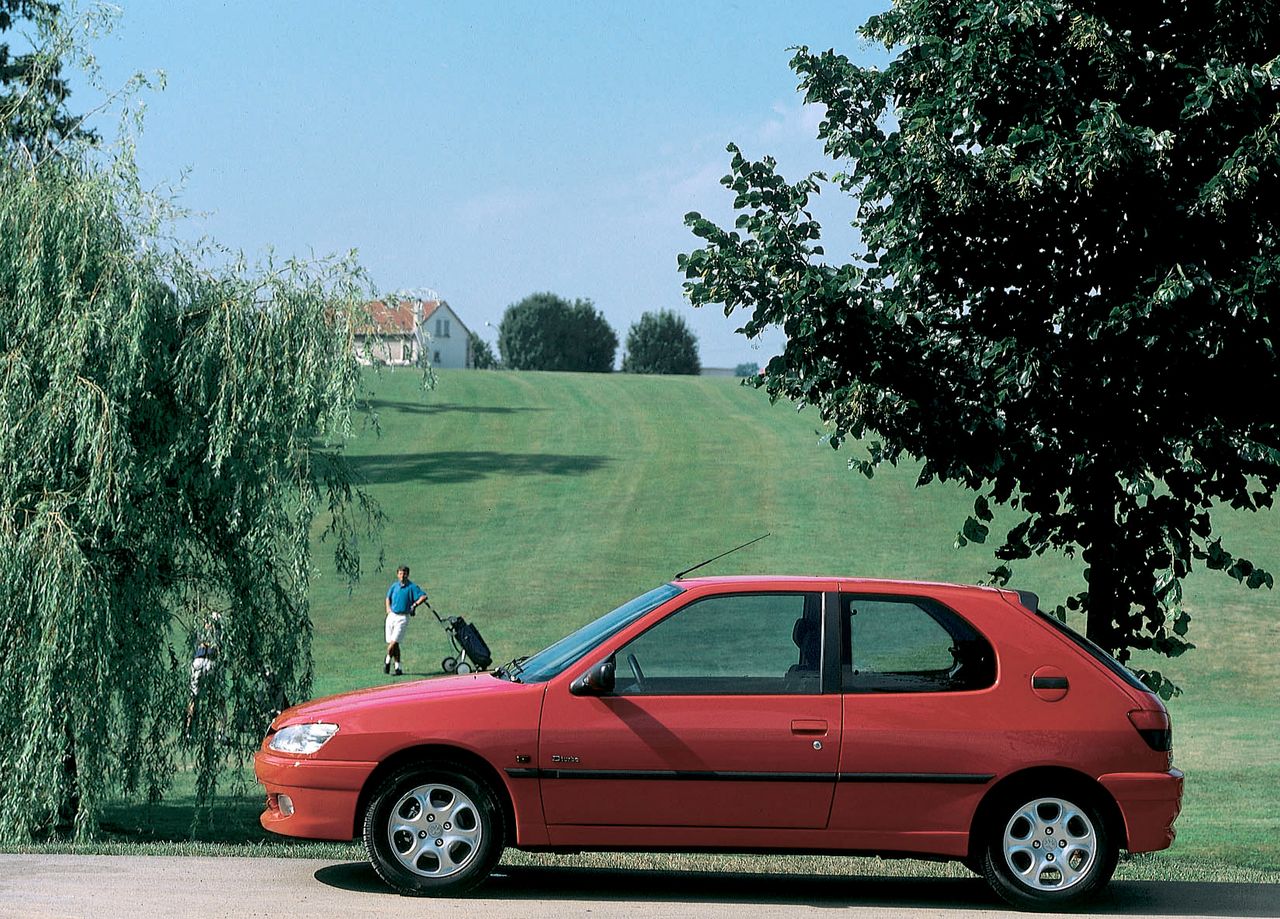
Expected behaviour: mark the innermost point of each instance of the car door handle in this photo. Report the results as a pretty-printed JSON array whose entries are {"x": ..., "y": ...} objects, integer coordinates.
[{"x": 808, "y": 727}]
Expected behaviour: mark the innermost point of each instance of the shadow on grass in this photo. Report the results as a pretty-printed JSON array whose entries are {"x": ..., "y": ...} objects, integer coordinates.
[
  {"x": 438, "y": 408},
  {"x": 232, "y": 819},
  {"x": 450, "y": 466},
  {"x": 1172, "y": 898}
]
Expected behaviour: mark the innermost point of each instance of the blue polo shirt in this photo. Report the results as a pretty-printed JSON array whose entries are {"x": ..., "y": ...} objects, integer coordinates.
[{"x": 403, "y": 598}]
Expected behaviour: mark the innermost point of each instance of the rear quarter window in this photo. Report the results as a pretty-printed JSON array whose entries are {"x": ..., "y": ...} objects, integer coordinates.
[{"x": 910, "y": 644}]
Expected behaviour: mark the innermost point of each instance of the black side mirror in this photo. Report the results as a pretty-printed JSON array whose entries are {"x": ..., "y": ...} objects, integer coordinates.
[{"x": 598, "y": 681}]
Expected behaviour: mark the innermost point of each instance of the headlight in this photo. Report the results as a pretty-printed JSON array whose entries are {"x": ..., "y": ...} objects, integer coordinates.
[{"x": 302, "y": 738}]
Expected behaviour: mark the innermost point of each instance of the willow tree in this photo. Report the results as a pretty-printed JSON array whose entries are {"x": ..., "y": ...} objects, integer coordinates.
[
  {"x": 168, "y": 436},
  {"x": 1068, "y": 293}
]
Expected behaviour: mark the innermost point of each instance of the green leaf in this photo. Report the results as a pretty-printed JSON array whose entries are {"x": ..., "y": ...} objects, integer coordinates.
[{"x": 975, "y": 531}]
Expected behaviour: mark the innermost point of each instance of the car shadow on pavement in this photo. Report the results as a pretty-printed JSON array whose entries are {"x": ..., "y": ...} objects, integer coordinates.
[{"x": 1122, "y": 898}]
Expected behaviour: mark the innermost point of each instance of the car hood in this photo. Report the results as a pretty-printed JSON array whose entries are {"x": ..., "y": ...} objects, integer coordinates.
[{"x": 347, "y": 704}]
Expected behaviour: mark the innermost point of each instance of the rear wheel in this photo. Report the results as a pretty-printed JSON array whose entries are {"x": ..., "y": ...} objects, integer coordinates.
[
  {"x": 449, "y": 664},
  {"x": 1046, "y": 849},
  {"x": 463, "y": 667},
  {"x": 433, "y": 830}
]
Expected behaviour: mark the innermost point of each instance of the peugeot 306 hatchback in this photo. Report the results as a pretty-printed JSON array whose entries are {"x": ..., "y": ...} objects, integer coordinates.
[{"x": 778, "y": 714}]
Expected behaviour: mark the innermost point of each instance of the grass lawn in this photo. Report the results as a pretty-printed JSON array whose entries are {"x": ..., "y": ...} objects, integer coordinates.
[{"x": 532, "y": 502}]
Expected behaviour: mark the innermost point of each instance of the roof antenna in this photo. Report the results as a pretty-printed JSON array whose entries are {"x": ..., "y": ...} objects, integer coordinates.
[{"x": 721, "y": 555}]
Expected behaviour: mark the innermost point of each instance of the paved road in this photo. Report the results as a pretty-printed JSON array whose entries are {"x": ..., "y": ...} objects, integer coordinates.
[{"x": 106, "y": 887}]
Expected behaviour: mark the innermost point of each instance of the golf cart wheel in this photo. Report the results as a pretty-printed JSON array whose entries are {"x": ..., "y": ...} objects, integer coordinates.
[
  {"x": 1047, "y": 848},
  {"x": 449, "y": 665},
  {"x": 433, "y": 829},
  {"x": 464, "y": 667}
]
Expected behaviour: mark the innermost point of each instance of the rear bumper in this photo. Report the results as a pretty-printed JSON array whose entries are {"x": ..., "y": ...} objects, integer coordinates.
[
  {"x": 1150, "y": 803},
  {"x": 323, "y": 794}
]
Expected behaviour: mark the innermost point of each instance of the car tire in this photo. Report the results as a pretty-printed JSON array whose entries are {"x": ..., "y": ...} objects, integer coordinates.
[
  {"x": 433, "y": 829},
  {"x": 1048, "y": 848}
]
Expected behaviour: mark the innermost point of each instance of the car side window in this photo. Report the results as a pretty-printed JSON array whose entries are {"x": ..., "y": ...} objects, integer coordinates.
[
  {"x": 907, "y": 644},
  {"x": 734, "y": 644}
]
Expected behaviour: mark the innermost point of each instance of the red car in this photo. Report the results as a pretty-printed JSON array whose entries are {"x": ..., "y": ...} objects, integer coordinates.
[{"x": 753, "y": 714}]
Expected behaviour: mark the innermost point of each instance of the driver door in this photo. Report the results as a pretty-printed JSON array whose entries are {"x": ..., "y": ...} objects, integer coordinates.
[{"x": 717, "y": 719}]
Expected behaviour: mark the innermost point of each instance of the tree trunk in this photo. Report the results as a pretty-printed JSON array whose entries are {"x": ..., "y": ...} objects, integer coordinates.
[
  {"x": 69, "y": 799},
  {"x": 1105, "y": 604}
]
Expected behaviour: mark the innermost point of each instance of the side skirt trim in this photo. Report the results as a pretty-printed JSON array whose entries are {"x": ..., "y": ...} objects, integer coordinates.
[{"x": 659, "y": 775}]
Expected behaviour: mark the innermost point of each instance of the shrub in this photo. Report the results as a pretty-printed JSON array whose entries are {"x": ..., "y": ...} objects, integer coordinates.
[
  {"x": 482, "y": 356},
  {"x": 661, "y": 343},
  {"x": 547, "y": 332}
]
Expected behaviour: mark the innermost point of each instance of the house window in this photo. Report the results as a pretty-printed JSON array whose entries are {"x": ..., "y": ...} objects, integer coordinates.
[
  {"x": 435, "y": 358},
  {"x": 442, "y": 328},
  {"x": 407, "y": 352}
]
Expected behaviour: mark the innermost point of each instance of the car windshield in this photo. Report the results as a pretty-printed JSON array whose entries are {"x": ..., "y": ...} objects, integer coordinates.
[{"x": 546, "y": 664}]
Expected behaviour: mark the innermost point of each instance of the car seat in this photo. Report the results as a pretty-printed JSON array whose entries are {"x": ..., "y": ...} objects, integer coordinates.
[{"x": 807, "y": 636}]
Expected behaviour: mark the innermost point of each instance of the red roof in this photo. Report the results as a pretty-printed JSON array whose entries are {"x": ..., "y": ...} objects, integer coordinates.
[{"x": 401, "y": 317}]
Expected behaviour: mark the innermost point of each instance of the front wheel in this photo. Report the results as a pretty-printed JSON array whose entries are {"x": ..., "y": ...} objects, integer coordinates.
[
  {"x": 433, "y": 830},
  {"x": 1045, "y": 851}
]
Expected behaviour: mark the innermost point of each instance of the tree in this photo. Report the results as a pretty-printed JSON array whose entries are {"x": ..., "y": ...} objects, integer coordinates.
[
  {"x": 32, "y": 93},
  {"x": 547, "y": 332},
  {"x": 661, "y": 342},
  {"x": 482, "y": 356},
  {"x": 746, "y": 370},
  {"x": 1067, "y": 298},
  {"x": 168, "y": 434}
]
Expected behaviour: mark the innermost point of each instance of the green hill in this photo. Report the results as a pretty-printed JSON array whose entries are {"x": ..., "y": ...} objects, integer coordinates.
[{"x": 533, "y": 502}]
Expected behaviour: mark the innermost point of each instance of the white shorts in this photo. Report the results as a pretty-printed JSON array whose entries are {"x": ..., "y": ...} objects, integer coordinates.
[
  {"x": 199, "y": 667},
  {"x": 396, "y": 624}
]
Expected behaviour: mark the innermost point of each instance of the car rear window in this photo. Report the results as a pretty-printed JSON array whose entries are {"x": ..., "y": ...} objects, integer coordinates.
[{"x": 1102, "y": 657}]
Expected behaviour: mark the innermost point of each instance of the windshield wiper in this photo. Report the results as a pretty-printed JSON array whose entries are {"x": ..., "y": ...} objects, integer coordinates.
[{"x": 511, "y": 670}]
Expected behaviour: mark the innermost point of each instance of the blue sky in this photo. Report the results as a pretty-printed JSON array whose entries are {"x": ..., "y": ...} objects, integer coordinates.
[{"x": 485, "y": 150}]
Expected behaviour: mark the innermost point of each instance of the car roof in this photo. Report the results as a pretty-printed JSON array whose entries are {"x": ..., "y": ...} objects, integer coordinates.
[{"x": 888, "y": 585}]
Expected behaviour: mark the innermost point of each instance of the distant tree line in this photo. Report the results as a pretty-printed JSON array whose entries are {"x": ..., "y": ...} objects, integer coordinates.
[{"x": 545, "y": 331}]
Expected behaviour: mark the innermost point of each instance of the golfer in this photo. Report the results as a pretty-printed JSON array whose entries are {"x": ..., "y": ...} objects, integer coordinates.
[{"x": 403, "y": 597}]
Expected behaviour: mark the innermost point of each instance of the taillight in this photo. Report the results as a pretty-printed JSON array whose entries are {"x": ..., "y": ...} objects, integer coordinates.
[{"x": 1154, "y": 727}]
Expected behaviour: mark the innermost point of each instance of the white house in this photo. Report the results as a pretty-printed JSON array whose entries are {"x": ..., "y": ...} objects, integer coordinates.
[
  {"x": 407, "y": 332},
  {"x": 446, "y": 339}
]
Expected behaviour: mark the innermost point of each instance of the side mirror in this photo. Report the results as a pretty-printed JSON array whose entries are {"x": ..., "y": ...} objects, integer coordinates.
[{"x": 598, "y": 681}]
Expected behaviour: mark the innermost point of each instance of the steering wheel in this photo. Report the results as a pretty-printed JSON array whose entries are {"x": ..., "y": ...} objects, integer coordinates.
[{"x": 635, "y": 669}]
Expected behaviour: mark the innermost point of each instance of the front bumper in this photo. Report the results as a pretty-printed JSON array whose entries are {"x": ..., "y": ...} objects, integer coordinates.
[
  {"x": 323, "y": 793},
  {"x": 1149, "y": 802}
]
